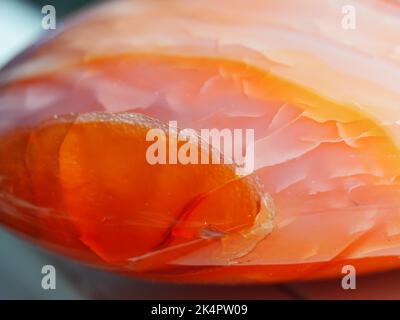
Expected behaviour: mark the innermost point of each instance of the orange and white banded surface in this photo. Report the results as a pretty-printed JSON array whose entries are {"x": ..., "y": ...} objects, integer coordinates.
[{"x": 323, "y": 100}]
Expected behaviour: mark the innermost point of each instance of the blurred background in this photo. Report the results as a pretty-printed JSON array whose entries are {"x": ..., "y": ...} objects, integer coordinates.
[
  {"x": 21, "y": 262},
  {"x": 20, "y": 22}
]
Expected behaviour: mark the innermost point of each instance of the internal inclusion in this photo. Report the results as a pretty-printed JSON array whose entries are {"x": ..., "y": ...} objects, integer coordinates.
[{"x": 231, "y": 244}]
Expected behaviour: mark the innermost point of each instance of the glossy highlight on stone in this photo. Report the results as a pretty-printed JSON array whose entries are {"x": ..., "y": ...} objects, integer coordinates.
[{"x": 325, "y": 192}]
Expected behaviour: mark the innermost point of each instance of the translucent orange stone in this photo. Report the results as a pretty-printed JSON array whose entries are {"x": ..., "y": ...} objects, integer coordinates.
[
  {"x": 91, "y": 189},
  {"x": 76, "y": 110}
]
